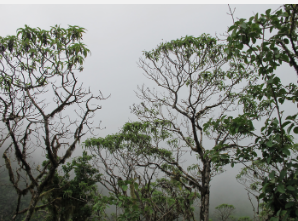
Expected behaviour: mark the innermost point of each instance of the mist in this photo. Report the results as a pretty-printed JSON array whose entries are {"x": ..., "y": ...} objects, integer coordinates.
[{"x": 117, "y": 35}]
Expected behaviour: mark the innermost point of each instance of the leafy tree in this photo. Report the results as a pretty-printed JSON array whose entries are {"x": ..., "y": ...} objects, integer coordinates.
[
  {"x": 35, "y": 66},
  {"x": 71, "y": 198},
  {"x": 267, "y": 41},
  {"x": 252, "y": 177},
  {"x": 224, "y": 211},
  {"x": 196, "y": 82},
  {"x": 130, "y": 161}
]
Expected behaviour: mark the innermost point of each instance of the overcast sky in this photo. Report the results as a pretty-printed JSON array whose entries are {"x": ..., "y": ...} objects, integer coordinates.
[{"x": 116, "y": 36}]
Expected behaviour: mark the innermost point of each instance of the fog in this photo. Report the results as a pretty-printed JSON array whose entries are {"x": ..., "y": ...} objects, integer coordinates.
[{"x": 116, "y": 36}]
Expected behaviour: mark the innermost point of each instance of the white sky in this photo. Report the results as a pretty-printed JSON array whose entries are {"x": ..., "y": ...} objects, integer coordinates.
[{"x": 116, "y": 36}]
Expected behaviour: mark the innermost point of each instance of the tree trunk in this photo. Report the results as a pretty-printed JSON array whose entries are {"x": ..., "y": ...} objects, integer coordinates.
[{"x": 205, "y": 193}]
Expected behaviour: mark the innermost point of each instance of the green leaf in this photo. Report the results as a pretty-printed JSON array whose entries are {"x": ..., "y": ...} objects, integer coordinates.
[
  {"x": 290, "y": 188},
  {"x": 277, "y": 214},
  {"x": 285, "y": 57},
  {"x": 243, "y": 25},
  {"x": 286, "y": 151},
  {"x": 256, "y": 17},
  {"x": 296, "y": 130},
  {"x": 269, "y": 143},
  {"x": 283, "y": 173},
  {"x": 231, "y": 28},
  {"x": 290, "y": 128},
  {"x": 281, "y": 188},
  {"x": 281, "y": 100},
  {"x": 286, "y": 123},
  {"x": 268, "y": 160},
  {"x": 261, "y": 195},
  {"x": 283, "y": 212},
  {"x": 290, "y": 117},
  {"x": 286, "y": 41},
  {"x": 124, "y": 187},
  {"x": 264, "y": 188},
  {"x": 268, "y": 12},
  {"x": 272, "y": 174},
  {"x": 240, "y": 46}
]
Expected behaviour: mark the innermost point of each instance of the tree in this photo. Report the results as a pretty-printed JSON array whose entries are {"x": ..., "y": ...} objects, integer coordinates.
[
  {"x": 196, "y": 82},
  {"x": 130, "y": 161},
  {"x": 72, "y": 198},
  {"x": 36, "y": 65},
  {"x": 224, "y": 211},
  {"x": 267, "y": 41},
  {"x": 252, "y": 176}
]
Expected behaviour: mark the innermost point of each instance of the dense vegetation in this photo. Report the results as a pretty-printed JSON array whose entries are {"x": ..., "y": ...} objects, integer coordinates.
[{"x": 201, "y": 83}]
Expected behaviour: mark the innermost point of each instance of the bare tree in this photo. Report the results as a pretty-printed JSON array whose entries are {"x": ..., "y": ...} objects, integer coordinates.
[
  {"x": 196, "y": 82},
  {"x": 38, "y": 89}
]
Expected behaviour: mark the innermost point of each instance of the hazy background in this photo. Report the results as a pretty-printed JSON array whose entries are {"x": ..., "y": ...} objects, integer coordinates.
[{"x": 116, "y": 36}]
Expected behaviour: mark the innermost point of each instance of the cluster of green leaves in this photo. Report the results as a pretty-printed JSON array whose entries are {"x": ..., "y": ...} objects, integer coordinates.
[
  {"x": 163, "y": 198},
  {"x": 252, "y": 177},
  {"x": 136, "y": 137},
  {"x": 272, "y": 51},
  {"x": 279, "y": 190},
  {"x": 137, "y": 198},
  {"x": 33, "y": 59},
  {"x": 189, "y": 44},
  {"x": 248, "y": 43},
  {"x": 72, "y": 198},
  {"x": 41, "y": 54},
  {"x": 200, "y": 52}
]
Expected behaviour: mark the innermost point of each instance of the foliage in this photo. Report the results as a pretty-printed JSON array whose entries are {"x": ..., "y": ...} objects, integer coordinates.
[
  {"x": 161, "y": 200},
  {"x": 196, "y": 82},
  {"x": 71, "y": 198},
  {"x": 252, "y": 177},
  {"x": 189, "y": 71},
  {"x": 224, "y": 211},
  {"x": 36, "y": 62},
  {"x": 130, "y": 161},
  {"x": 267, "y": 41}
]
